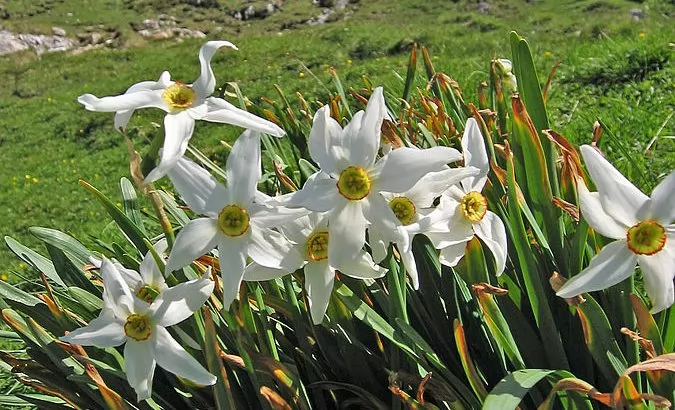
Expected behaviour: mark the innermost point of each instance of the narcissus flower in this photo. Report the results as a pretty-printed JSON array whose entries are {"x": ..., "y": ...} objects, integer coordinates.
[
  {"x": 311, "y": 238},
  {"x": 642, "y": 226},
  {"x": 232, "y": 222},
  {"x": 463, "y": 210},
  {"x": 183, "y": 103},
  {"x": 350, "y": 181},
  {"x": 141, "y": 326}
]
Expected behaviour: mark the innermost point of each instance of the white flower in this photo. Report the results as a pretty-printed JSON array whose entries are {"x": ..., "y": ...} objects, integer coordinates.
[
  {"x": 642, "y": 226},
  {"x": 232, "y": 221},
  {"x": 350, "y": 181},
  {"x": 127, "y": 319},
  {"x": 148, "y": 282},
  {"x": 463, "y": 210},
  {"x": 505, "y": 72},
  {"x": 311, "y": 243},
  {"x": 183, "y": 103}
]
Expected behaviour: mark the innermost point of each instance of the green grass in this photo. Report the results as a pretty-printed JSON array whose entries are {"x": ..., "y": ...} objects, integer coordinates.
[{"x": 612, "y": 68}]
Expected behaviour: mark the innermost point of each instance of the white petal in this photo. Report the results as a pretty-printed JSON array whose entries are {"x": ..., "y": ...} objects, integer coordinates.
[
  {"x": 475, "y": 154},
  {"x": 270, "y": 248},
  {"x": 232, "y": 255},
  {"x": 663, "y": 201},
  {"x": 319, "y": 278},
  {"x": 116, "y": 292},
  {"x": 132, "y": 278},
  {"x": 319, "y": 194},
  {"x": 243, "y": 168},
  {"x": 658, "y": 271},
  {"x": 399, "y": 170},
  {"x": 122, "y": 117},
  {"x": 350, "y": 141},
  {"x": 300, "y": 228},
  {"x": 171, "y": 357},
  {"x": 379, "y": 242},
  {"x": 196, "y": 238},
  {"x": 104, "y": 331},
  {"x": 411, "y": 268},
  {"x": 325, "y": 134},
  {"x": 178, "y": 130},
  {"x": 139, "y": 365},
  {"x": 257, "y": 272},
  {"x": 595, "y": 215},
  {"x": 451, "y": 255},
  {"x": 433, "y": 184},
  {"x": 198, "y": 188},
  {"x": 133, "y": 101},
  {"x": 614, "y": 263},
  {"x": 175, "y": 304},
  {"x": 206, "y": 83},
  {"x": 370, "y": 130},
  {"x": 346, "y": 233},
  {"x": 361, "y": 267},
  {"x": 491, "y": 230},
  {"x": 273, "y": 217},
  {"x": 149, "y": 270},
  {"x": 619, "y": 197},
  {"x": 219, "y": 110}
]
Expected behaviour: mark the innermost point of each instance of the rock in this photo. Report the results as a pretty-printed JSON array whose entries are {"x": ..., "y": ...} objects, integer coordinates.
[
  {"x": 58, "y": 31},
  {"x": 96, "y": 38},
  {"x": 10, "y": 43},
  {"x": 151, "y": 24},
  {"x": 637, "y": 14},
  {"x": 484, "y": 7}
]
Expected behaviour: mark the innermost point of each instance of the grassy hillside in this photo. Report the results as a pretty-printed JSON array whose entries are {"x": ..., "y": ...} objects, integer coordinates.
[{"x": 613, "y": 67}]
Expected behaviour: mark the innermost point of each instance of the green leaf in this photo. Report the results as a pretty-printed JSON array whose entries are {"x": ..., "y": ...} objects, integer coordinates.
[
  {"x": 34, "y": 259},
  {"x": 69, "y": 245},
  {"x": 509, "y": 392},
  {"x": 130, "y": 203}
]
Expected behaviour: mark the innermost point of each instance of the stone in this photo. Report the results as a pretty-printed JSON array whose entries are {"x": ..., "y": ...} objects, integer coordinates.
[{"x": 58, "y": 31}]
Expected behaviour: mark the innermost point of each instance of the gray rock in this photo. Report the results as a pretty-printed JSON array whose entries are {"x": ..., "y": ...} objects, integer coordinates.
[
  {"x": 58, "y": 31},
  {"x": 10, "y": 43},
  {"x": 637, "y": 14}
]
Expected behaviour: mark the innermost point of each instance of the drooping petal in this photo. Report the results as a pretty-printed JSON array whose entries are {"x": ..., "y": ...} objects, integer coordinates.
[
  {"x": 618, "y": 196},
  {"x": 232, "y": 255},
  {"x": 104, "y": 331},
  {"x": 319, "y": 278},
  {"x": 116, "y": 292},
  {"x": 179, "y": 302},
  {"x": 171, "y": 357},
  {"x": 433, "y": 184},
  {"x": 139, "y": 365},
  {"x": 451, "y": 255},
  {"x": 492, "y": 232},
  {"x": 206, "y": 83},
  {"x": 196, "y": 238},
  {"x": 663, "y": 201},
  {"x": 270, "y": 248},
  {"x": 325, "y": 134},
  {"x": 411, "y": 268},
  {"x": 122, "y": 117},
  {"x": 178, "y": 130},
  {"x": 384, "y": 226},
  {"x": 148, "y": 268},
  {"x": 257, "y": 272},
  {"x": 614, "y": 263},
  {"x": 198, "y": 188},
  {"x": 475, "y": 154},
  {"x": 219, "y": 110},
  {"x": 123, "y": 102},
  {"x": 319, "y": 194},
  {"x": 595, "y": 215},
  {"x": 399, "y": 170},
  {"x": 658, "y": 271},
  {"x": 361, "y": 266},
  {"x": 243, "y": 168},
  {"x": 346, "y": 232}
]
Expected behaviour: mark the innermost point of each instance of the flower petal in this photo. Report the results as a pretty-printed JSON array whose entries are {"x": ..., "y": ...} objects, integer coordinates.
[
  {"x": 618, "y": 196},
  {"x": 475, "y": 154},
  {"x": 178, "y": 130},
  {"x": 104, "y": 331},
  {"x": 148, "y": 268},
  {"x": 319, "y": 279},
  {"x": 270, "y": 248},
  {"x": 232, "y": 255},
  {"x": 361, "y": 266},
  {"x": 177, "y": 303},
  {"x": 433, "y": 184},
  {"x": 595, "y": 215},
  {"x": 614, "y": 263},
  {"x": 171, "y": 357},
  {"x": 219, "y": 110},
  {"x": 243, "y": 168},
  {"x": 122, "y": 117},
  {"x": 411, "y": 268},
  {"x": 139, "y": 365},
  {"x": 198, "y": 188},
  {"x": 399, "y": 170},
  {"x": 362, "y": 135},
  {"x": 132, "y": 101},
  {"x": 196, "y": 238},
  {"x": 273, "y": 217},
  {"x": 658, "y": 271},
  {"x": 257, "y": 272},
  {"x": 206, "y": 83},
  {"x": 319, "y": 194},
  {"x": 116, "y": 292},
  {"x": 663, "y": 201},
  {"x": 492, "y": 232},
  {"x": 325, "y": 134},
  {"x": 346, "y": 233},
  {"x": 451, "y": 255}
]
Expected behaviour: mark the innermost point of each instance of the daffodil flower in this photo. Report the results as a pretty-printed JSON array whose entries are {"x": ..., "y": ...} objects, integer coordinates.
[
  {"x": 310, "y": 236},
  {"x": 148, "y": 282},
  {"x": 183, "y": 103},
  {"x": 232, "y": 222},
  {"x": 642, "y": 226},
  {"x": 463, "y": 210},
  {"x": 349, "y": 183},
  {"x": 141, "y": 326}
]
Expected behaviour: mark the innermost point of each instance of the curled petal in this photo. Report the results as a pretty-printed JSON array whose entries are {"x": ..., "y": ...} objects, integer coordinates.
[
  {"x": 171, "y": 357},
  {"x": 104, "y": 331},
  {"x": 139, "y": 365},
  {"x": 178, "y": 130},
  {"x": 595, "y": 215},
  {"x": 614, "y": 263},
  {"x": 206, "y": 83},
  {"x": 492, "y": 232},
  {"x": 179, "y": 302},
  {"x": 132, "y": 101},
  {"x": 319, "y": 279},
  {"x": 475, "y": 154},
  {"x": 198, "y": 188},
  {"x": 122, "y": 117},
  {"x": 219, "y": 110},
  {"x": 411, "y": 268},
  {"x": 196, "y": 238}
]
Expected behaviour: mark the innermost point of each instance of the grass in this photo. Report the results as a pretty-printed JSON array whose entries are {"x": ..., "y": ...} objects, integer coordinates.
[{"x": 611, "y": 68}]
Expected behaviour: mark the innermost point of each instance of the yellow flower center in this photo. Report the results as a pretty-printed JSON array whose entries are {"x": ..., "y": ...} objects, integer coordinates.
[
  {"x": 233, "y": 220},
  {"x": 646, "y": 238},
  {"x": 138, "y": 327},
  {"x": 317, "y": 246},
  {"x": 404, "y": 209},
  {"x": 179, "y": 96},
  {"x": 354, "y": 183},
  {"x": 147, "y": 293},
  {"x": 473, "y": 206}
]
